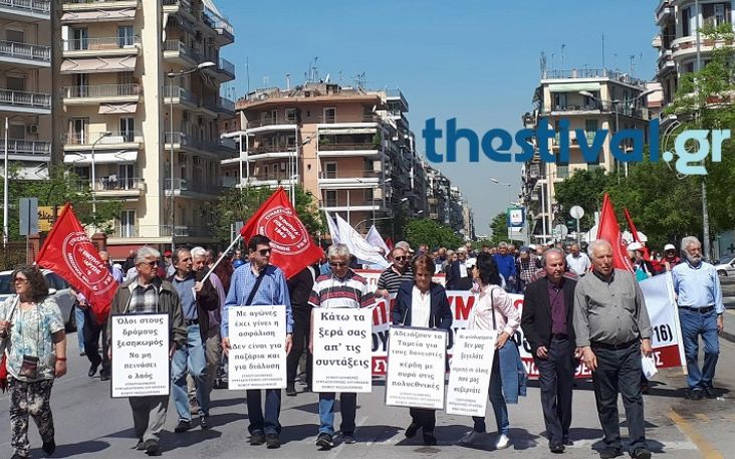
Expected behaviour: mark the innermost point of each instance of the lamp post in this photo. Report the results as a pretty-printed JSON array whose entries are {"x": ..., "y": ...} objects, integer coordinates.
[
  {"x": 171, "y": 76},
  {"x": 94, "y": 179},
  {"x": 498, "y": 182}
]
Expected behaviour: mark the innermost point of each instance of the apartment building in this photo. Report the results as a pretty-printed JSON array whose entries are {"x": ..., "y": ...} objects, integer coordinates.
[
  {"x": 351, "y": 148},
  {"x": 679, "y": 40},
  {"x": 140, "y": 82},
  {"x": 25, "y": 85},
  {"x": 591, "y": 100}
]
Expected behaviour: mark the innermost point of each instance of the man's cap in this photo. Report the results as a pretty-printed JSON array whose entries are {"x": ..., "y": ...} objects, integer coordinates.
[
  {"x": 633, "y": 246},
  {"x": 669, "y": 247},
  {"x": 167, "y": 253}
]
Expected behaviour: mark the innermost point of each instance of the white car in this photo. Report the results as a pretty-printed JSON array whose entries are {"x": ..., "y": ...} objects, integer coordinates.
[
  {"x": 57, "y": 287},
  {"x": 726, "y": 266}
]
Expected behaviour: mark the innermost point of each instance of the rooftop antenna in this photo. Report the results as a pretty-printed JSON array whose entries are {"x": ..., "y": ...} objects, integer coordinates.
[
  {"x": 288, "y": 81},
  {"x": 265, "y": 81},
  {"x": 603, "y": 50},
  {"x": 326, "y": 79},
  {"x": 562, "y": 55},
  {"x": 247, "y": 73},
  {"x": 632, "y": 59},
  {"x": 542, "y": 63}
]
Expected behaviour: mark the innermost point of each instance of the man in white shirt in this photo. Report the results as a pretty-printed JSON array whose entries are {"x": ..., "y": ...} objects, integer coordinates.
[{"x": 577, "y": 261}]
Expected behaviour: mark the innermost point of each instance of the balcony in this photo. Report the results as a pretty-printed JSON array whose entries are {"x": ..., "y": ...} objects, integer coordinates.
[
  {"x": 190, "y": 188},
  {"x": 361, "y": 179},
  {"x": 102, "y": 46},
  {"x": 666, "y": 61},
  {"x": 664, "y": 10},
  {"x": 174, "y": 6},
  {"x": 117, "y": 188},
  {"x": 26, "y": 10},
  {"x": 268, "y": 123},
  {"x": 225, "y": 31},
  {"x": 98, "y": 11},
  {"x": 29, "y": 150},
  {"x": 348, "y": 149},
  {"x": 180, "y": 95},
  {"x": 79, "y": 141},
  {"x": 181, "y": 140},
  {"x": 177, "y": 51},
  {"x": 226, "y": 106},
  {"x": 156, "y": 233},
  {"x": 109, "y": 93},
  {"x": 268, "y": 181},
  {"x": 592, "y": 74},
  {"x": 77, "y": 5},
  {"x": 225, "y": 70},
  {"x": 25, "y": 54},
  {"x": 25, "y": 102},
  {"x": 262, "y": 152}
]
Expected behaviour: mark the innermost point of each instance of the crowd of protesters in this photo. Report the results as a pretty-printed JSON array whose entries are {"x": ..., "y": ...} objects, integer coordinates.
[{"x": 575, "y": 303}]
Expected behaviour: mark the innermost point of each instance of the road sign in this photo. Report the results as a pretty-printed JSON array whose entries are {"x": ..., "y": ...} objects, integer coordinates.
[
  {"x": 516, "y": 217},
  {"x": 560, "y": 231},
  {"x": 28, "y": 216},
  {"x": 576, "y": 212}
]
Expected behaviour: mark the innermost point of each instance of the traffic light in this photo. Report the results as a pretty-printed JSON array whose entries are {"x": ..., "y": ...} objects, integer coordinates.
[{"x": 572, "y": 225}]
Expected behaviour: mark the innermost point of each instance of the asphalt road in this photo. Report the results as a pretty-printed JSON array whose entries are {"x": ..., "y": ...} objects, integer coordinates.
[{"x": 89, "y": 424}]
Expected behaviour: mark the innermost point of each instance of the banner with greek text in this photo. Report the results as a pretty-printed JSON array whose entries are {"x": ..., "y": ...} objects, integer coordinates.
[
  {"x": 140, "y": 350},
  {"x": 342, "y": 350},
  {"x": 257, "y": 356},
  {"x": 415, "y": 376},
  {"x": 469, "y": 376}
]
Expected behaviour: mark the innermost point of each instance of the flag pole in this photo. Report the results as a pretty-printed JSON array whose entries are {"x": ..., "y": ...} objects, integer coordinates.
[
  {"x": 222, "y": 257},
  {"x": 5, "y": 189}
]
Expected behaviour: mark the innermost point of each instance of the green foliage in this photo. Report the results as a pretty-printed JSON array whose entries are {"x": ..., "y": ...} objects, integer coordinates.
[
  {"x": 584, "y": 189},
  {"x": 240, "y": 204},
  {"x": 431, "y": 233},
  {"x": 499, "y": 228},
  {"x": 61, "y": 187}
]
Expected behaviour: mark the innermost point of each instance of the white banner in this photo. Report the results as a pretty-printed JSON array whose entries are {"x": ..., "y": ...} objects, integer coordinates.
[
  {"x": 140, "y": 355},
  {"x": 415, "y": 376},
  {"x": 342, "y": 350},
  {"x": 257, "y": 356},
  {"x": 469, "y": 378},
  {"x": 358, "y": 246}
]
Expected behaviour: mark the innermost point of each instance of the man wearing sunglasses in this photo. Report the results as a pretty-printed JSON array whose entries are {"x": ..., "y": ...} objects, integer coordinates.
[
  {"x": 399, "y": 272},
  {"x": 270, "y": 289}
]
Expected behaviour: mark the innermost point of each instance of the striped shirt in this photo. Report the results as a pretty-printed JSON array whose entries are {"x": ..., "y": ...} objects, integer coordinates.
[
  {"x": 330, "y": 291},
  {"x": 390, "y": 280}
]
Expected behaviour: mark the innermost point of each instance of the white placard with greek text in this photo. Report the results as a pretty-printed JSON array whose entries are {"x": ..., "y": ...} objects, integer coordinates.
[
  {"x": 469, "y": 378},
  {"x": 416, "y": 367},
  {"x": 342, "y": 350},
  {"x": 257, "y": 356},
  {"x": 140, "y": 350}
]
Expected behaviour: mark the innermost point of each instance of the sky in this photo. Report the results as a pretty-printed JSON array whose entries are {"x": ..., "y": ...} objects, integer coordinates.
[{"x": 476, "y": 61}]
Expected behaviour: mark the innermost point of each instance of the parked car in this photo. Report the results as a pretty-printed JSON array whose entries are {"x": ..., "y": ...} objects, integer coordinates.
[
  {"x": 57, "y": 287},
  {"x": 726, "y": 266}
]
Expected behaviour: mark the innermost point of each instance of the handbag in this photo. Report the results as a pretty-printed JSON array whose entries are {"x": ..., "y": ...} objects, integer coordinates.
[{"x": 3, "y": 347}]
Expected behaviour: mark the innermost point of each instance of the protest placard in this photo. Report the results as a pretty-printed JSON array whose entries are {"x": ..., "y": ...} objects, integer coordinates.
[
  {"x": 257, "y": 356},
  {"x": 342, "y": 350},
  {"x": 469, "y": 378},
  {"x": 140, "y": 350},
  {"x": 416, "y": 367}
]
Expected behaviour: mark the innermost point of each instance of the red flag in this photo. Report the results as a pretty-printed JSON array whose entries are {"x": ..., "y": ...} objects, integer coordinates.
[
  {"x": 634, "y": 232},
  {"x": 69, "y": 252},
  {"x": 609, "y": 229},
  {"x": 293, "y": 248},
  {"x": 389, "y": 243}
]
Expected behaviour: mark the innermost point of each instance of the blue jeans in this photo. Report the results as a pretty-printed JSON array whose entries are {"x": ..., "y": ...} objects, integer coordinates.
[
  {"x": 79, "y": 319},
  {"x": 190, "y": 359},
  {"x": 268, "y": 425},
  {"x": 497, "y": 400},
  {"x": 348, "y": 407},
  {"x": 694, "y": 324}
]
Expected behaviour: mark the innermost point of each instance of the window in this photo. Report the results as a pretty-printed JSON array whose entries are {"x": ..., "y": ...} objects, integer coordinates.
[
  {"x": 126, "y": 176},
  {"x": 78, "y": 130},
  {"x": 17, "y": 131},
  {"x": 330, "y": 170},
  {"x": 125, "y": 36},
  {"x": 685, "y": 22},
  {"x": 15, "y": 83},
  {"x": 79, "y": 39},
  {"x": 291, "y": 115},
  {"x": 127, "y": 129},
  {"x": 127, "y": 223},
  {"x": 16, "y": 36},
  {"x": 330, "y": 115},
  {"x": 331, "y": 198},
  {"x": 560, "y": 100}
]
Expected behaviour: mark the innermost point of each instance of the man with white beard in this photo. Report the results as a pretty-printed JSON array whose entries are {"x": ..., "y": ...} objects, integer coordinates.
[{"x": 699, "y": 298}]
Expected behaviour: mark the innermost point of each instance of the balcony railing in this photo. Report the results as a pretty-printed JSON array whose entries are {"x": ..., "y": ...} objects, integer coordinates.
[
  {"x": 115, "y": 184},
  {"x": 227, "y": 104},
  {"x": 31, "y": 6},
  {"x": 185, "y": 140},
  {"x": 182, "y": 94},
  {"x": 348, "y": 146},
  {"x": 130, "y": 231},
  {"x": 101, "y": 43},
  {"x": 25, "y": 51},
  {"x": 102, "y": 90},
  {"x": 226, "y": 66},
  {"x": 25, "y": 99},
  {"x": 181, "y": 47},
  {"x": 29, "y": 147},
  {"x": 179, "y": 3},
  {"x": 268, "y": 121},
  {"x": 217, "y": 22},
  {"x": 83, "y": 138},
  {"x": 350, "y": 175},
  {"x": 190, "y": 185},
  {"x": 94, "y": 1},
  {"x": 591, "y": 73},
  {"x": 270, "y": 149}
]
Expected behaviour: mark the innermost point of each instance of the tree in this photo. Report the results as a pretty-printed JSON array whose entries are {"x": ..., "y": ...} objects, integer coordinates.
[
  {"x": 237, "y": 204},
  {"x": 61, "y": 187},
  {"x": 499, "y": 228},
  {"x": 431, "y": 233},
  {"x": 584, "y": 188}
]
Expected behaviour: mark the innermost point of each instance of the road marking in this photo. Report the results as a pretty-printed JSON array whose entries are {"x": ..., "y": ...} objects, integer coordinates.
[
  {"x": 702, "y": 417},
  {"x": 707, "y": 449}
]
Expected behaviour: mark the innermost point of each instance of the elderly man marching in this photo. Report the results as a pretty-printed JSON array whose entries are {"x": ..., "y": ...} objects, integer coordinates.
[
  {"x": 612, "y": 327},
  {"x": 146, "y": 293},
  {"x": 699, "y": 297}
]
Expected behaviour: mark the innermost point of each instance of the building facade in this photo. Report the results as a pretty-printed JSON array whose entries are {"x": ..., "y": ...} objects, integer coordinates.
[
  {"x": 25, "y": 82},
  {"x": 140, "y": 82}
]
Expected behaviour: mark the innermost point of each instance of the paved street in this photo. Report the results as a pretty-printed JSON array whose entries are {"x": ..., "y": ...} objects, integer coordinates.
[{"x": 90, "y": 424}]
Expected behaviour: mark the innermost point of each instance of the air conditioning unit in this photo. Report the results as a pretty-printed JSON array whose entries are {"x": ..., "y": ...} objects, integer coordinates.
[{"x": 32, "y": 128}]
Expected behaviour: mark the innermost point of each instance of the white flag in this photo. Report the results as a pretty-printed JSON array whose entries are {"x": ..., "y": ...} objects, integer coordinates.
[
  {"x": 333, "y": 231},
  {"x": 358, "y": 246},
  {"x": 376, "y": 240}
]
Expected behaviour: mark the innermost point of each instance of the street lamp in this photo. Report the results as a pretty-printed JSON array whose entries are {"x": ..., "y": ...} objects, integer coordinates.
[
  {"x": 94, "y": 182},
  {"x": 171, "y": 76},
  {"x": 498, "y": 182}
]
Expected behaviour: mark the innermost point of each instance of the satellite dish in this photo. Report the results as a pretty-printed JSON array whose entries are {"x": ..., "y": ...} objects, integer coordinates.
[{"x": 576, "y": 212}]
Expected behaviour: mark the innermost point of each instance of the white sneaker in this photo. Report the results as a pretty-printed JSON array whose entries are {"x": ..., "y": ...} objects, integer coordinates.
[
  {"x": 503, "y": 442},
  {"x": 470, "y": 438}
]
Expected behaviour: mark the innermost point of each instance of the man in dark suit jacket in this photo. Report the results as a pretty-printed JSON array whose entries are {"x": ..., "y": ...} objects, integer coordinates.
[
  {"x": 458, "y": 274},
  {"x": 547, "y": 325}
]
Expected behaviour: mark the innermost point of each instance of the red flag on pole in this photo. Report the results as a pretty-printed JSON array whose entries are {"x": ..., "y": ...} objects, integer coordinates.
[
  {"x": 293, "y": 249},
  {"x": 69, "y": 252},
  {"x": 634, "y": 232},
  {"x": 609, "y": 229}
]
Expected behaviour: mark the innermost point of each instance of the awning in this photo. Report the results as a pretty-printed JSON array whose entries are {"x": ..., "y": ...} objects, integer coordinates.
[
  {"x": 115, "y": 157},
  {"x": 574, "y": 87},
  {"x": 111, "y": 109},
  {"x": 99, "y": 64},
  {"x": 99, "y": 15}
]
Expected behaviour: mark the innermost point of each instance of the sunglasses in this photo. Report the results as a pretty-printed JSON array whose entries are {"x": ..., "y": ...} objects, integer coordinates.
[
  {"x": 337, "y": 264},
  {"x": 150, "y": 263},
  {"x": 264, "y": 252},
  {"x": 400, "y": 258}
]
